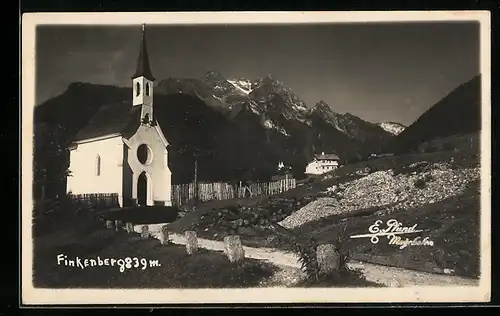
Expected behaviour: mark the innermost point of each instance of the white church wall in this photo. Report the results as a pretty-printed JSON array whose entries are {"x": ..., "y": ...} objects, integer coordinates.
[
  {"x": 127, "y": 177},
  {"x": 86, "y": 178},
  {"x": 157, "y": 170}
]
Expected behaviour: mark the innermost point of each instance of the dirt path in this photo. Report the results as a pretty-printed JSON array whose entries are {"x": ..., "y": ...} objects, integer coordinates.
[{"x": 389, "y": 276}]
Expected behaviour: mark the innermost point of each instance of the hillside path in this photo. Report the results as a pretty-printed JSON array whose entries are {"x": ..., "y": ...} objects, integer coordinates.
[{"x": 386, "y": 275}]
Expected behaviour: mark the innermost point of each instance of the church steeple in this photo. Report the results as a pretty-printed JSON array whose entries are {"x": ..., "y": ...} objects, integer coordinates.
[
  {"x": 142, "y": 82},
  {"x": 143, "y": 69}
]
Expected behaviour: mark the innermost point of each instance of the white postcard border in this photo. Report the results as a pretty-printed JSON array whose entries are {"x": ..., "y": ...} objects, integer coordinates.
[{"x": 34, "y": 296}]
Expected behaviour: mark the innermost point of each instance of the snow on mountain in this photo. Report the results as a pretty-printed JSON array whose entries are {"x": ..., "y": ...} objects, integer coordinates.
[
  {"x": 254, "y": 107},
  {"x": 369, "y": 134},
  {"x": 271, "y": 125},
  {"x": 243, "y": 85},
  {"x": 287, "y": 113},
  {"x": 274, "y": 96},
  {"x": 392, "y": 127}
]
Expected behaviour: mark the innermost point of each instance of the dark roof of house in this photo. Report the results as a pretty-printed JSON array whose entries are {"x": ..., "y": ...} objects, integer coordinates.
[
  {"x": 327, "y": 157},
  {"x": 115, "y": 118},
  {"x": 143, "y": 68}
]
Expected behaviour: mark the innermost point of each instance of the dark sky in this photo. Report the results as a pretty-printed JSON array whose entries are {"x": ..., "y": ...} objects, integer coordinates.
[{"x": 379, "y": 72}]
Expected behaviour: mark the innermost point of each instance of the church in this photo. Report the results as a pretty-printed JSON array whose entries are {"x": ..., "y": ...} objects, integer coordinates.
[{"x": 122, "y": 149}]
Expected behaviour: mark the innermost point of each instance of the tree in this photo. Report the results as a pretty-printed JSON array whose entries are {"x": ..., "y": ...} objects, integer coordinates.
[{"x": 51, "y": 159}]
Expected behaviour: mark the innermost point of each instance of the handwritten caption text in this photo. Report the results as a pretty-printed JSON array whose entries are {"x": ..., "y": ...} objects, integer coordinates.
[
  {"x": 393, "y": 230},
  {"x": 121, "y": 263}
]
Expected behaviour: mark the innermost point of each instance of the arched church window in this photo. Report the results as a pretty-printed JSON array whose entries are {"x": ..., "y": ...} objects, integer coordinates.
[
  {"x": 147, "y": 88},
  {"x": 98, "y": 165},
  {"x": 137, "y": 89}
]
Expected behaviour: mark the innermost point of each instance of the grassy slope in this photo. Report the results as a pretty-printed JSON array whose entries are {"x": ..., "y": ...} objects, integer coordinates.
[
  {"x": 206, "y": 269},
  {"x": 341, "y": 175},
  {"x": 178, "y": 270},
  {"x": 452, "y": 224}
]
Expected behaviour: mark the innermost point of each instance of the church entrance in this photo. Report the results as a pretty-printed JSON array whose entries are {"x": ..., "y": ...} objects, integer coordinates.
[{"x": 142, "y": 189}]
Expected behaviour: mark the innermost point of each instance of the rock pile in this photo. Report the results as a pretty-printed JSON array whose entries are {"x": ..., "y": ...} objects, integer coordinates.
[
  {"x": 240, "y": 218},
  {"x": 377, "y": 189},
  {"x": 433, "y": 185},
  {"x": 322, "y": 207},
  {"x": 423, "y": 184}
]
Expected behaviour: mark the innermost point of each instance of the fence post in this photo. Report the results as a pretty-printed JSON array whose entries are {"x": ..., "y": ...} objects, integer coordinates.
[{"x": 183, "y": 193}]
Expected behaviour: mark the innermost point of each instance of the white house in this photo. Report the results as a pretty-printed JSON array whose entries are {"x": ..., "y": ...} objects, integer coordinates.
[
  {"x": 122, "y": 149},
  {"x": 322, "y": 163}
]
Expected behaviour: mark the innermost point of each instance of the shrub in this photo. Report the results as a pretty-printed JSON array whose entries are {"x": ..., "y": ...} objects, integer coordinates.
[
  {"x": 306, "y": 250},
  {"x": 369, "y": 168},
  {"x": 340, "y": 242}
]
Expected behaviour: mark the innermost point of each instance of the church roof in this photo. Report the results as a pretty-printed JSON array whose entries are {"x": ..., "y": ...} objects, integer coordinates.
[
  {"x": 115, "y": 118},
  {"x": 143, "y": 68}
]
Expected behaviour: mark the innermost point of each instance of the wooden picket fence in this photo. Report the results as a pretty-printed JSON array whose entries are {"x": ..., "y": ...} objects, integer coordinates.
[
  {"x": 95, "y": 200},
  {"x": 182, "y": 193}
]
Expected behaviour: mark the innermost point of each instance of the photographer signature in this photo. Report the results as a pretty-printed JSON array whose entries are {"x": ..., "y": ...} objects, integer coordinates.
[{"x": 393, "y": 230}]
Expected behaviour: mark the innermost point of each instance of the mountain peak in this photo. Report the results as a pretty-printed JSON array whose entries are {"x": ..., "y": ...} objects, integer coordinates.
[
  {"x": 213, "y": 75},
  {"x": 271, "y": 80},
  {"x": 464, "y": 102},
  {"x": 83, "y": 86},
  {"x": 322, "y": 106},
  {"x": 269, "y": 76}
]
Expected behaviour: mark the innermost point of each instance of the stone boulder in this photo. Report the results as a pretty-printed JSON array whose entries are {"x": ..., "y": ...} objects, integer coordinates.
[
  {"x": 164, "y": 235},
  {"x": 118, "y": 225},
  {"x": 129, "y": 227},
  {"x": 328, "y": 258},
  {"x": 144, "y": 232},
  {"x": 233, "y": 248},
  {"x": 109, "y": 224},
  {"x": 191, "y": 242}
]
